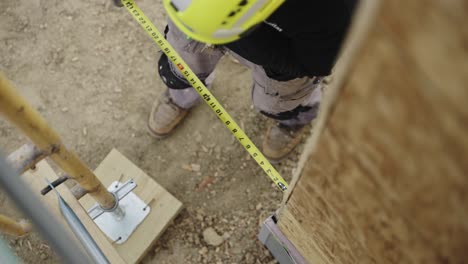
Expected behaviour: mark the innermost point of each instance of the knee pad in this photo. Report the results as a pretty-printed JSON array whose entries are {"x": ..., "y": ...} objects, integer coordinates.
[
  {"x": 290, "y": 114},
  {"x": 169, "y": 78}
]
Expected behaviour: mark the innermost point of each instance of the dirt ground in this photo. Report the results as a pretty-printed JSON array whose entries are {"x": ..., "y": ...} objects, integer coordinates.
[{"x": 91, "y": 71}]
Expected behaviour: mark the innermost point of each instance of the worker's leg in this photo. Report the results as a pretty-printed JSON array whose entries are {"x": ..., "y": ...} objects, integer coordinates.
[
  {"x": 174, "y": 103},
  {"x": 293, "y": 104}
]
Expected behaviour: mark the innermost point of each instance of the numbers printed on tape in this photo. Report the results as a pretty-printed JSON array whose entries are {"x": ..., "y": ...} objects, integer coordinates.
[{"x": 207, "y": 96}]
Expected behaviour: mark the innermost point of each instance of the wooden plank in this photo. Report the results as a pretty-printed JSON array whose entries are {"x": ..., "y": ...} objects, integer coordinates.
[
  {"x": 164, "y": 206},
  {"x": 386, "y": 180},
  {"x": 35, "y": 180}
]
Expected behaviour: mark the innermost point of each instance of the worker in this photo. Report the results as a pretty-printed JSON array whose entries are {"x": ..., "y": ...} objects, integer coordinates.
[{"x": 290, "y": 46}]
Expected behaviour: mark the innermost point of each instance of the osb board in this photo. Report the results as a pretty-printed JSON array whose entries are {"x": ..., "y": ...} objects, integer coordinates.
[
  {"x": 35, "y": 180},
  {"x": 164, "y": 206},
  {"x": 387, "y": 180}
]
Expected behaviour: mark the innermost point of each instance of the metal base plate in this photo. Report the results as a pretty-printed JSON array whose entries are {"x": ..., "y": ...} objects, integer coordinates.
[
  {"x": 119, "y": 230},
  {"x": 279, "y": 246}
]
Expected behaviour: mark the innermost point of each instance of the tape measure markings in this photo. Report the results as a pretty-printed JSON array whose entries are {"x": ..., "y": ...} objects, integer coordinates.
[{"x": 206, "y": 95}]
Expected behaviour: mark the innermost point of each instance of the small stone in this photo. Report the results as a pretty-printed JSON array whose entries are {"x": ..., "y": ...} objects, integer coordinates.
[
  {"x": 44, "y": 256},
  {"x": 109, "y": 102},
  {"x": 117, "y": 116},
  {"x": 249, "y": 258},
  {"x": 258, "y": 207},
  {"x": 117, "y": 90},
  {"x": 13, "y": 242},
  {"x": 74, "y": 59},
  {"x": 195, "y": 167},
  {"x": 212, "y": 238},
  {"x": 187, "y": 167},
  {"x": 217, "y": 149},
  {"x": 65, "y": 109},
  {"x": 205, "y": 149},
  {"x": 44, "y": 246},
  {"x": 226, "y": 236},
  {"x": 157, "y": 249},
  {"x": 196, "y": 241},
  {"x": 198, "y": 137},
  {"x": 85, "y": 131},
  {"x": 199, "y": 217},
  {"x": 203, "y": 251},
  {"x": 133, "y": 135}
]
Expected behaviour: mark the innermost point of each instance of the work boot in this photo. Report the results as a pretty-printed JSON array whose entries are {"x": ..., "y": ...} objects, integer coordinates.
[
  {"x": 165, "y": 116},
  {"x": 280, "y": 141}
]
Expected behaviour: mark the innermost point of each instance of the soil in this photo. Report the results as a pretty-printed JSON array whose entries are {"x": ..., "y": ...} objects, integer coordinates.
[{"x": 90, "y": 70}]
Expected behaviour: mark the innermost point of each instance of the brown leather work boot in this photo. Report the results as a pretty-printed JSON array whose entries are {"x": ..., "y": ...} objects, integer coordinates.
[
  {"x": 280, "y": 141},
  {"x": 165, "y": 116}
]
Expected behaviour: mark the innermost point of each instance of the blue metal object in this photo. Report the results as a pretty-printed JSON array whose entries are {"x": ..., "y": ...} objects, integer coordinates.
[
  {"x": 49, "y": 227},
  {"x": 79, "y": 230},
  {"x": 279, "y": 246}
]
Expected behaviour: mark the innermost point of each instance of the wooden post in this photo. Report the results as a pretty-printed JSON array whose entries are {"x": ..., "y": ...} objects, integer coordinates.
[
  {"x": 12, "y": 227},
  {"x": 25, "y": 158},
  {"x": 28, "y": 120}
]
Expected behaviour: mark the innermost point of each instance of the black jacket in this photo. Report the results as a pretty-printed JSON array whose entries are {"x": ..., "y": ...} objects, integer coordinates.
[{"x": 302, "y": 38}]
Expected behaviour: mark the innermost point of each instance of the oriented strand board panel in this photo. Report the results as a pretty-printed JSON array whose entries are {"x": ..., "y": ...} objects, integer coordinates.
[
  {"x": 387, "y": 179},
  {"x": 36, "y": 182},
  {"x": 164, "y": 206}
]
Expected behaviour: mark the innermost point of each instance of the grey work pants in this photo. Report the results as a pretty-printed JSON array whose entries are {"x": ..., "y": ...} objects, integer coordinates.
[{"x": 294, "y": 102}]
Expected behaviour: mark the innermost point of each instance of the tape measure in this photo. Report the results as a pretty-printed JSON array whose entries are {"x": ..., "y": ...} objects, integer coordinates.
[{"x": 206, "y": 95}]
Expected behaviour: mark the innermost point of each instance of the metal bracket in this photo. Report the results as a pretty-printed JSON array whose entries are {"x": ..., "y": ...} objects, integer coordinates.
[
  {"x": 278, "y": 244},
  {"x": 119, "y": 222}
]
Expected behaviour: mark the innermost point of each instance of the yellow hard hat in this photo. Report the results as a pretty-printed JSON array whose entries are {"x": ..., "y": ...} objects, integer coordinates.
[{"x": 218, "y": 21}]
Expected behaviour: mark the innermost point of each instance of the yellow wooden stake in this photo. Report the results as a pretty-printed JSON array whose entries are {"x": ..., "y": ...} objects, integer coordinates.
[{"x": 28, "y": 120}]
